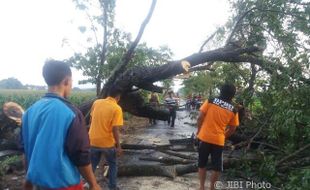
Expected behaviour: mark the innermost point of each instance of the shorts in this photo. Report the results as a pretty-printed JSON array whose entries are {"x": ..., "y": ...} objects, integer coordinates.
[{"x": 204, "y": 150}]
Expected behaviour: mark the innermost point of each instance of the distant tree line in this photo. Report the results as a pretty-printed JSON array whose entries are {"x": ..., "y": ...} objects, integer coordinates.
[
  {"x": 14, "y": 83},
  {"x": 11, "y": 83}
]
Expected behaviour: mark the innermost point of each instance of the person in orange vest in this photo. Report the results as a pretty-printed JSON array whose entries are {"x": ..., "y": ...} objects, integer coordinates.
[
  {"x": 106, "y": 119},
  {"x": 217, "y": 120}
]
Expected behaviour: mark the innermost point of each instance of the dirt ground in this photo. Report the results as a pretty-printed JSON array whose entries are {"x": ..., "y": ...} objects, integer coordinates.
[{"x": 186, "y": 182}]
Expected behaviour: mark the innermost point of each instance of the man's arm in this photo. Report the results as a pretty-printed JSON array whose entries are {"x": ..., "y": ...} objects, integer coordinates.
[
  {"x": 232, "y": 125},
  {"x": 200, "y": 121},
  {"x": 202, "y": 114},
  {"x": 78, "y": 149},
  {"x": 88, "y": 174},
  {"x": 115, "y": 131},
  {"x": 229, "y": 131}
]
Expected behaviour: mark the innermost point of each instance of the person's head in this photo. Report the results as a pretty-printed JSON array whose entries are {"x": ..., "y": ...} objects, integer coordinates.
[
  {"x": 58, "y": 77},
  {"x": 227, "y": 92},
  {"x": 115, "y": 92}
]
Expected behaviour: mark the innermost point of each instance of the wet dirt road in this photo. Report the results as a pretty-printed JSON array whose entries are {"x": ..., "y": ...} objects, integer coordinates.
[{"x": 158, "y": 134}]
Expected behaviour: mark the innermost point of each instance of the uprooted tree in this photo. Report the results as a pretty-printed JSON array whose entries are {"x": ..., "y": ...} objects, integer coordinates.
[
  {"x": 265, "y": 51},
  {"x": 243, "y": 45}
]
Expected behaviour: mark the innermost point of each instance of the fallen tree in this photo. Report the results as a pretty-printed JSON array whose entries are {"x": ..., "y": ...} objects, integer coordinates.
[
  {"x": 166, "y": 160},
  {"x": 147, "y": 170},
  {"x": 131, "y": 80},
  {"x": 177, "y": 169},
  {"x": 136, "y": 78}
]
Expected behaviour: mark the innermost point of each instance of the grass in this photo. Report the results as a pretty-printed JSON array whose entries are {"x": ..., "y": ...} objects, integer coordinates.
[{"x": 27, "y": 97}]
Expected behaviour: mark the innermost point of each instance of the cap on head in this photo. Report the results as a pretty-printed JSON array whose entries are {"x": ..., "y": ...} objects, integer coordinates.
[{"x": 55, "y": 71}]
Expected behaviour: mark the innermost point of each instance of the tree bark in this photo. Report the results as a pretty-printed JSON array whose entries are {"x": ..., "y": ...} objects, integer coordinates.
[
  {"x": 180, "y": 155},
  {"x": 167, "y": 160},
  {"x": 10, "y": 119},
  {"x": 147, "y": 170},
  {"x": 173, "y": 171},
  {"x": 144, "y": 146}
]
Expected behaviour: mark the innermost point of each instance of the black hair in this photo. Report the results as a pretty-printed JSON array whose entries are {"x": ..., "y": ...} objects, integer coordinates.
[
  {"x": 55, "y": 71},
  {"x": 114, "y": 91},
  {"x": 228, "y": 91}
]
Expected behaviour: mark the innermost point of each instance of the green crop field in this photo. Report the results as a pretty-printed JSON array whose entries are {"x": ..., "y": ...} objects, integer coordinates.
[{"x": 27, "y": 97}]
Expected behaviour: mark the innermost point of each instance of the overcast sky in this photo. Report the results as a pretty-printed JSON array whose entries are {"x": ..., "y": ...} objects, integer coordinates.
[{"x": 33, "y": 30}]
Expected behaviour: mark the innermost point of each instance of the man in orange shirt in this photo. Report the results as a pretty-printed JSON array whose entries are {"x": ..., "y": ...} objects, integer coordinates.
[
  {"x": 218, "y": 119},
  {"x": 106, "y": 118}
]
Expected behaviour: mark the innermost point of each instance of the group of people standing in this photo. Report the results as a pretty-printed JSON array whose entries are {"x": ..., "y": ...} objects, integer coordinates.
[
  {"x": 58, "y": 148},
  {"x": 193, "y": 102},
  {"x": 171, "y": 102}
]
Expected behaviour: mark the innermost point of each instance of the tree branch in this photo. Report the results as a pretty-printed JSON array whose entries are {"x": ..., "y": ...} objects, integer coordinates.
[
  {"x": 207, "y": 40},
  {"x": 127, "y": 57},
  {"x": 104, "y": 48},
  {"x": 93, "y": 28},
  {"x": 202, "y": 67},
  {"x": 293, "y": 154},
  {"x": 237, "y": 24}
]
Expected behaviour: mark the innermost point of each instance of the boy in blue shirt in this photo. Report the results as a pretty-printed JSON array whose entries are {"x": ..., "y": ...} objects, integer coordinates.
[{"x": 54, "y": 137}]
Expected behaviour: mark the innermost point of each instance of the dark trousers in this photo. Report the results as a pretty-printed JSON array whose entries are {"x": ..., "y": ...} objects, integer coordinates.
[
  {"x": 172, "y": 116},
  {"x": 110, "y": 156}
]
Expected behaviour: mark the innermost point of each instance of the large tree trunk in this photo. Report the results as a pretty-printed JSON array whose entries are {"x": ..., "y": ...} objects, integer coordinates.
[
  {"x": 147, "y": 170},
  {"x": 144, "y": 77},
  {"x": 173, "y": 171}
]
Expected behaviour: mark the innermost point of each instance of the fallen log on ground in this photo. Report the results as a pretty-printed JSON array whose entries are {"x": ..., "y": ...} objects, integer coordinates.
[
  {"x": 166, "y": 160},
  {"x": 227, "y": 163},
  {"x": 184, "y": 141},
  {"x": 144, "y": 146},
  {"x": 186, "y": 169},
  {"x": 183, "y": 148},
  {"x": 147, "y": 170},
  {"x": 176, "y": 170},
  {"x": 180, "y": 155}
]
